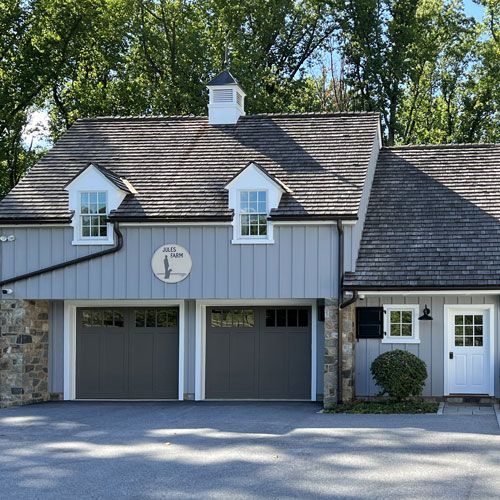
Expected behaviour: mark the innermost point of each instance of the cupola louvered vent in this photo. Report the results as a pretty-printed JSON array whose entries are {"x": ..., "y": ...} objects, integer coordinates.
[
  {"x": 226, "y": 100},
  {"x": 222, "y": 95}
]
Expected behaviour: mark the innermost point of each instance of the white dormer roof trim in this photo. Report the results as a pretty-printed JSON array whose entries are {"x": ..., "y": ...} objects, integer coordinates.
[{"x": 257, "y": 169}]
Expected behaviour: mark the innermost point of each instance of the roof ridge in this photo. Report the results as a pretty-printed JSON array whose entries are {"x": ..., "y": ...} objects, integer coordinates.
[
  {"x": 256, "y": 115},
  {"x": 437, "y": 146}
]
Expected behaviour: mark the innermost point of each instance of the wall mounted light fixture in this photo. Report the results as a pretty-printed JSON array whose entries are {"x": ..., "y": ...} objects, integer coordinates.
[{"x": 426, "y": 316}]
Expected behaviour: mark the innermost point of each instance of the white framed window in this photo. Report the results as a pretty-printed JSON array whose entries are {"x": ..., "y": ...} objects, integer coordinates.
[
  {"x": 253, "y": 214},
  {"x": 93, "y": 214},
  {"x": 401, "y": 324}
]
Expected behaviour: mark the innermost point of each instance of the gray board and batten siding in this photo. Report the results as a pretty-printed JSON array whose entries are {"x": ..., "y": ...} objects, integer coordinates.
[
  {"x": 302, "y": 263},
  {"x": 431, "y": 346}
]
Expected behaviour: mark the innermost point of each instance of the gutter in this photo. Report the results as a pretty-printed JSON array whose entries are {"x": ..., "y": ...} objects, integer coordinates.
[{"x": 61, "y": 265}]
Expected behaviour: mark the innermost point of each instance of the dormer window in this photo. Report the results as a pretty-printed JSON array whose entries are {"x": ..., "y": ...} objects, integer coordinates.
[
  {"x": 253, "y": 194},
  {"x": 93, "y": 194},
  {"x": 253, "y": 214},
  {"x": 93, "y": 214}
]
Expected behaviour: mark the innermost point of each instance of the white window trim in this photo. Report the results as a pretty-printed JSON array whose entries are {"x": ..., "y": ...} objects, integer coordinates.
[
  {"x": 77, "y": 224},
  {"x": 251, "y": 239},
  {"x": 415, "y": 338}
]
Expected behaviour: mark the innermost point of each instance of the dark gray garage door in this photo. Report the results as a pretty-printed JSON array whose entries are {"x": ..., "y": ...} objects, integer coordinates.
[
  {"x": 128, "y": 353},
  {"x": 258, "y": 353}
]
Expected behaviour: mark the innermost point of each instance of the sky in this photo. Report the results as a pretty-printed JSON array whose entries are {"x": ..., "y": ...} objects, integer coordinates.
[{"x": 37, "y": 130}]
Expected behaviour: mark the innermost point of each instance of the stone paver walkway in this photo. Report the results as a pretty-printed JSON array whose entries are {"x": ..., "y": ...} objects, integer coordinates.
[{"x": 468, "y": 409}]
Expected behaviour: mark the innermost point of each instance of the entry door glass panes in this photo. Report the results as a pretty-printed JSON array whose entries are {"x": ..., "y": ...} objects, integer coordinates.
[{"x": 469, "y": 330}]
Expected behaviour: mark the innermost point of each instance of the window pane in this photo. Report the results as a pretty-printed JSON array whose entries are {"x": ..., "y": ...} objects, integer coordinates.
[
  {"x": 216, "y": 319},
  {"x": 478, "y": 342},
  {"x": 261, "y": 207},
  {"x": 262, "y": 230},
  {"x": 252, "y": 196},
  {"x": 96, "y": 318},
  {"x": 303, "y": 317},
  {"x": 478, "y": 320},
  {"x": 86, "y": 220},
  {"x": 85, "y": 231},
  {"x": 93, "y": 199},
  {"x": 254, "y": 230},
  {"x": 161, "y": 319},
  {"x": 459, "y": 330},
  {"x": 459, "y": 341},
  {"x": 118, "y": 318},
  {"x": 86, "y": 318},
  {"x": 281, "y": 317},
  {"x": 395, "y": 329},
  {"x": 151, "y": 318},
  {"x": 459, "y": 320},
  {"x": 262, "y": 196},
  {"x": 292, "y": 317},
  {"x": 469, "y": 330},
  {"x": 103, "y": 231},
  {"x": 248, "y": 318},
  {"x": 172, "y": 317},
  {"x": 244, "y": 197},
  {"x": 478, "y": 331},
  {"x": 406, "y": 316},
  {"x": 107, "y": 317},
  {"x": 227, "y": 319},
  {"x": 140, "y": 319},
  {"x": 468, "y": 341},
  {"x": 270, "y": 317},
  {"x": 94, "y": 231},
  {"x": 245, "y": 230},
  {"x": 84, "y": 203},
  {"x": 406, "y": 330},
  {"x": 395, "y": 316},
  {"x": 101, "y": 198},
  {"x": 469, "y": 319}
]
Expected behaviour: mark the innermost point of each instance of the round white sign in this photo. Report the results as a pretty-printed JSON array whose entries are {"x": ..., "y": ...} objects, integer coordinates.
[{"x": 171, "y": 263}]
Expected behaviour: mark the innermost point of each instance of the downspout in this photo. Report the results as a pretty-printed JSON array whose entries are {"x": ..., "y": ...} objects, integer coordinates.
[
  {"x": 340, "y": 229},
  {"x": 118, "y": 245}
]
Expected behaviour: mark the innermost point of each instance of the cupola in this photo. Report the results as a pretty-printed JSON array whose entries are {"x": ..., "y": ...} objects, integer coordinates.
[{"x": 226, "y": 100}]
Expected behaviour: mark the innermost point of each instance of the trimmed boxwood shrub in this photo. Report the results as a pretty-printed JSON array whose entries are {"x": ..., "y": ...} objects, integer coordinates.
[{"x": 400, "y": 374}]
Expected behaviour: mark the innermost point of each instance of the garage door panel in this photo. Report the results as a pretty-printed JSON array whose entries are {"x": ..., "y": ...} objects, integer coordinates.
[
  {"x": 113, "y": 365},
  {"x": 242, "y": 361},
  {"x": 166, "y": 366},
  {"x": 88, "y": 347},
  {"x": 299, "y": 366},
  {"x": 273, "y": 364},
  {"x": 266, "y": 357},
  {"x": 127, "y": 353},
  {"x": 141, "y": 371},
  {"x": 217, "y": 365}
]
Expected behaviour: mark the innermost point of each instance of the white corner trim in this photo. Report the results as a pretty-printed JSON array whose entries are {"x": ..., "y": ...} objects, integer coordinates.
[
  {"x": 200, "y": 335},
  {"x": 70, "y": 336},
  {"x": 448, "y": 309}
]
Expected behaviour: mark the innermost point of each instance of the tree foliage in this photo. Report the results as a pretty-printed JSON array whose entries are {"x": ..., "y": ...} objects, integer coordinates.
[{"x": 432, "y": 72}]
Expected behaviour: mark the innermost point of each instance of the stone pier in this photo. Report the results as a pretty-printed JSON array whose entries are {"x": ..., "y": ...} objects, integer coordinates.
[{"x": 24, "y": 337}]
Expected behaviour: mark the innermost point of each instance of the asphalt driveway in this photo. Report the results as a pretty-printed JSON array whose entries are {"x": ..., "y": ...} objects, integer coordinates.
[{"x": 237, "y": 450}]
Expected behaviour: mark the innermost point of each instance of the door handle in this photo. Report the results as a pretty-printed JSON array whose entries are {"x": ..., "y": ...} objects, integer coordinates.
[{"x": 451, "y": 355}]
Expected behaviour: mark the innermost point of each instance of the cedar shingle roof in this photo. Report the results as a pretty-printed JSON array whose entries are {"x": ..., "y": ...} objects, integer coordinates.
[
  {"x": 433, "y": 219},
  {"x": 180, "y": 165}
]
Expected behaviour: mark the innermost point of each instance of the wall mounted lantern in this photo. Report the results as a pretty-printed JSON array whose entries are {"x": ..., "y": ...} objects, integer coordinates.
[{"x": 426, "y": 316}]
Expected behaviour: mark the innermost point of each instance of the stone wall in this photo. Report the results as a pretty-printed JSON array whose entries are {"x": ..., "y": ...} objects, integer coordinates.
[
  {"x": 24, "y": 336},
  {"x": 331, "y": 366},
  {"x": 348, "y": 318}
]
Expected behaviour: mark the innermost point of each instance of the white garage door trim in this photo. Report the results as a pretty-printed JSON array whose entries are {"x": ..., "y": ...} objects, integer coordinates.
[
  {"x": 201, "y": 334},
  {"x": 70, "y": 307},
  {"x": 449, "y": 310}
]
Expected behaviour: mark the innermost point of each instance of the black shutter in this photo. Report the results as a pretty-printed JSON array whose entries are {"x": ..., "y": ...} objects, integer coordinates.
[{"x": 369, "y": 322}]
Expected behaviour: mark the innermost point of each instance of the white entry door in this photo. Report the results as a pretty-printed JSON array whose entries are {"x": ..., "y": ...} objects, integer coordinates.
[{"x": 467, "y": 359}]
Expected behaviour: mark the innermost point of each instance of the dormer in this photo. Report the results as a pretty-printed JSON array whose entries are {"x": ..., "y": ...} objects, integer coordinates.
[
  {"x": 226, "y": 100},
  {"x": 93, "y": 193},
  {"x": 253, "y": 193}
]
